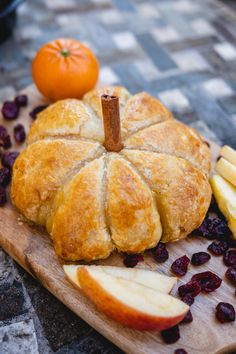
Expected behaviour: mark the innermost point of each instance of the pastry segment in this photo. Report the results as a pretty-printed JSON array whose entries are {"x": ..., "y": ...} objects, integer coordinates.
[
  {"x": 133, "y": 218},
  {"x": 78, "y": 226},
  {"x": 174, "y": 138},
  {"x": 182, "y": 192},
  {"x": 42, "y": 168},
  {"x": 143, "y": 110},
  {"x": 62, "y": 118}
]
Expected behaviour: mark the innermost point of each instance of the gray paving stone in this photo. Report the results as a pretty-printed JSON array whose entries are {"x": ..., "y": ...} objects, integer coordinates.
[
  {"x": 179, "y": 79},
  {"x": 217, "y": 87},
  {"x": 213, "y": 115},
  {"x": 59, "y": 324},
  {"x": 165, "y": 34},
  {"x": 12, "y": 300},
  {"x": 198, "y": 43},
  {"x": 125, "y": 40},
  {"x": 202, "y": 27},
  {"x": 94, "y": 343},
  {"x": 147, "y": 69},
  {"x": 190, "y": 60},
  {"x": 18, "y": 338},
  {"x": 225, "y": 50},
  {"x": 204, "y": 130},
  {"x": 6, "y": 267},
  {"x": 229, "y": 104},
  {"x": 124, "y": 5},
  {"x": 130, "y": 77},
  {"x": 155, "y": 52},
  {"x": 175, "y": 100}
]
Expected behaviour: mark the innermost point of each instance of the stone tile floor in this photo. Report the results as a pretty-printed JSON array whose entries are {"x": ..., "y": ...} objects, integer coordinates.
[{"x": 182, "y": 51}]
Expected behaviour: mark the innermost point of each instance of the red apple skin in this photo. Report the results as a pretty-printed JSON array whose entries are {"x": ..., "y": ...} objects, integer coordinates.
[{"x": 119, "y": 311}]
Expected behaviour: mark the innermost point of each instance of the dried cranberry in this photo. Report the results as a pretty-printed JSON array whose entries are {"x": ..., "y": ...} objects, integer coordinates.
[
  {"x": 21, "y": 100},
  {"x": 36, "y": 110},
  {"x": 187, "y": 318},
  {"x": 8, "y": 158},
  {"x": 188, "y": 299},
  {"x": 231, "y": 274},
  {"x": 170, "y": 335},
  {"x": 191, "y": 288},
  {"x": 19, "y": 133},
  {"x": 208, "y": 281},
  {"x": 10, "y": 110},
  {"x": 213, "y": 228},
  {"x": 180, "y": 351},
  {"x": 6, "y": 142},
  {"x": 160, "y": 252},
  {"x": 131, "y": 260},
  {"x": 200, "y": 258},
  {"x": 5, "y": 176},
  {"x": 218, "y": 248},
  {"x": 225, "y": 312},
  {"x": 180, "y": 265},
  {"x": 3, "y": 132},
  {"x": 3, "y": 196},
  {"x": 230, "y": 258}
]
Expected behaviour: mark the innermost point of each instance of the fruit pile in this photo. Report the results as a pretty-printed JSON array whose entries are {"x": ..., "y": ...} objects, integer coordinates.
[
  {"x": 10, "y": 111},
  {"x": 223, "y": 184},
  {"x": 214, "y": 228}
]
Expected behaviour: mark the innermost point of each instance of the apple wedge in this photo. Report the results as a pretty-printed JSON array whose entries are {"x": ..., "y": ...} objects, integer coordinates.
[
  {"x": 227, "y": 170},
  {"x": 229, "y": 154},
  {"x": 225, "y": 194},
  {"x": 145, "y": 277},
  {"x": 130, "y": 303}
]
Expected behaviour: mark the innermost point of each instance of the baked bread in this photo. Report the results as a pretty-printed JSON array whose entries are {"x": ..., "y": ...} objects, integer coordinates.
[{"x": 92, "y": 201}]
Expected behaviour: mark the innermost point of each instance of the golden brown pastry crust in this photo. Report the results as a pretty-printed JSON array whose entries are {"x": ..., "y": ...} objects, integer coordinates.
[
  {"x": 181, "y": 203},
  {"x": 62, "y": 118},
  {"x": 79, "y": 229},
  {"x": 42, "y": 169},
  {"x": 143, "y": 110},
  {"x": 92, "y": 201},
  {"x": 174, "y": 138},
  {"x": 133, "y": 217}
]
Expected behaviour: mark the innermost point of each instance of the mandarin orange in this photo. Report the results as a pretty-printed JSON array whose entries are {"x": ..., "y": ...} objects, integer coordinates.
[{"x": 64, "y": 68}]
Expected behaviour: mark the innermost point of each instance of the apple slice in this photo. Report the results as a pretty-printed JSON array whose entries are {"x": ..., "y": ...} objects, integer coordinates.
[
  {"x": 227, "y": 170},
  {"x": 225, "y": 194},
  {"x": 229, "y": 154},
  {"x": 130, "y": 303},
  {"x": 145, "y": 277}
]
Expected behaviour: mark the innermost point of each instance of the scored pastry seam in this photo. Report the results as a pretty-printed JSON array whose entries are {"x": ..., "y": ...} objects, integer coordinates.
[
  {"x": 169, "y": 154},
  {"x": 65, "y": 137},
  {"x": 156, "y": 196},
  {"x": 76, "y": 137},
  {"x": 143, "y": 128},
  {"x": 145, "y": 180},
  {"x": 71, "y": 174},
  {"x": 106, "y": 217}
]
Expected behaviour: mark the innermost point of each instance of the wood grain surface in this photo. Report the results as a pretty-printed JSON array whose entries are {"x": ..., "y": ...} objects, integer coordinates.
[{"x": 30, "y": 246}]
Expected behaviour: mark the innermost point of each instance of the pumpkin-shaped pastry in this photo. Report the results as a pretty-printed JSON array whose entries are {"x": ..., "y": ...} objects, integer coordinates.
[{"x": 140, "y": 182}]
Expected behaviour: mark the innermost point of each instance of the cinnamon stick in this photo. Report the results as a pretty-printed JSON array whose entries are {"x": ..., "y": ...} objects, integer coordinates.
[{"x": 111, "y": 123}]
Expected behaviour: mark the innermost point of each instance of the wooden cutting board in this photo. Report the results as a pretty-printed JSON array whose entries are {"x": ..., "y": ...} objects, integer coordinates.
[{"x": 32, "y": 249}]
